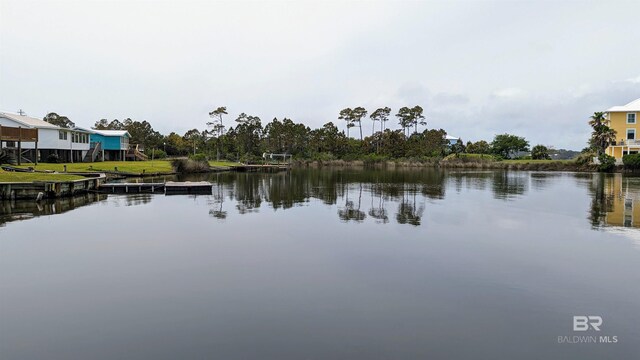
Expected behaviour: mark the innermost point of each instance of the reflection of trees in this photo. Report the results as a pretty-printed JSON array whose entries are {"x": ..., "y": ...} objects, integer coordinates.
[
  {"x": 602, "y": 199},
  {"x": 433, "y": 185},
  {"x": 540, "y": 180},
  {"x": 408, "y": 212},
  {"x": 507, "y": 185},
  {"x": 285, "y": 189},
  {"x": 248, "y": 192},
  {"x": 378, "y": 210},
  {"x": 478, "y": 180},
  {"x": 349, "y": 212},
  {"x": 324, "y": 184},
  {"x": 218, "y": 201}
]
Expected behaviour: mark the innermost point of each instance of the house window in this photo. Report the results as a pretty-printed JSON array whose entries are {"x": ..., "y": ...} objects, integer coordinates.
[
  {"x": 631, "y": 118},
  {"x": 62, "y": 135},
  {"x": 631, "y": 134}
]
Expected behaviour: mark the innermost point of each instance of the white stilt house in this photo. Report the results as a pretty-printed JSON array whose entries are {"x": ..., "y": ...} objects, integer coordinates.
[{"x": 69, "y": 145}]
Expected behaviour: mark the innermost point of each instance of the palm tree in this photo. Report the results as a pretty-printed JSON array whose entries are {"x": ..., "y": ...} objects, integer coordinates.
[
  {"x": 602, "y": 135},
  {"x": 597, "y": 119},
  {"x": 602, "y": 138}
]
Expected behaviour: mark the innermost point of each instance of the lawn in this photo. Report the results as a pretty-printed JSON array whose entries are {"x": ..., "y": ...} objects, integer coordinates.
[
  {"x": 137, "y": 167},
  {"x": 9, "y": 176},
  {"x": 134, "y": 167}
]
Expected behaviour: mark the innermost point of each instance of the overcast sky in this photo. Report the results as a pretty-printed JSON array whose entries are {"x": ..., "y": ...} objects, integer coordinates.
[{"x": 536, "y": 69}]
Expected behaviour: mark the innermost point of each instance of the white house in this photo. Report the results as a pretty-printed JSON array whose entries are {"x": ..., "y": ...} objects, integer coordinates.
[
  {"x": 70, "y": 145},
  {"x": 451, "y": 139}
]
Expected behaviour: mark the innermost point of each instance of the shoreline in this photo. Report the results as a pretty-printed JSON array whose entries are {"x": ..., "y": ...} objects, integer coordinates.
[
  {"x": 457, "y": 164},
  {"x": 46, "y": 189}
]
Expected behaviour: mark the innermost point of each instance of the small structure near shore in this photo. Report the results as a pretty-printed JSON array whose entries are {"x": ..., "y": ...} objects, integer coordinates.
[
  {"x": 168, "y": 188},
  {"x": 49, "y": 189}
]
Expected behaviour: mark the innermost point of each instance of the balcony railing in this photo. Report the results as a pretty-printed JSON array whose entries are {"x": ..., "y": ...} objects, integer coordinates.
[
  {"x": 628, "y": 142},
  {"x": 8, "y": 133}
]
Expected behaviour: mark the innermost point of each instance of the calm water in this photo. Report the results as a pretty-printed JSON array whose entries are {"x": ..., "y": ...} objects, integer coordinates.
[{"x": 328, "y": 265}]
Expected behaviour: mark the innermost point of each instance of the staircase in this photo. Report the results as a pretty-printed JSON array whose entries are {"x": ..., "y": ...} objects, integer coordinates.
[
  {"x": 135, "y": 154},
  {"x": 95, "y": 150}
]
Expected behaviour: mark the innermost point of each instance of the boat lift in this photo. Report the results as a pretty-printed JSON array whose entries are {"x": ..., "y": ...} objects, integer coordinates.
[{"x": 272, "y": 156}]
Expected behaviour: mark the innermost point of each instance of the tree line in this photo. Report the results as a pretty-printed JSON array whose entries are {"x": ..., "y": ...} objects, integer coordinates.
[{"x": 246, "y": 138}]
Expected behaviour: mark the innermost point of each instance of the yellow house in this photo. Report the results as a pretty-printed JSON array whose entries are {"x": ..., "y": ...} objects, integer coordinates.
[{"x": 624, "y": 120}]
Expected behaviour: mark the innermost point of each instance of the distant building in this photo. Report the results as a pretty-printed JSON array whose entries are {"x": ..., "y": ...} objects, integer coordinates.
[
  {"x": 451, "y": 139},
  {"x": 70, "y": 145},
  {"x": 624, "y": 120}
]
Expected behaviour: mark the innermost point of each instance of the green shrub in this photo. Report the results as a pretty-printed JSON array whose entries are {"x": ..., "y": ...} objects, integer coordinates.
[
  {"x": 540, "y": 152},
  {"x": 374, "y": 159},
  {"x": 157, "y": 154},
  {"x": 251, "y": 159},
  {"x": 52, "y": 159},
  {"x": 631, "y": 161},
  {"x": 469, "y": 158},
  {"x": 322, "y": 156},
  {"x": 187, "y": 166},
  {"x": 198, "y": 157},
  {"x": 607, "y": 163},
  {"x": 585, "y": 158}
]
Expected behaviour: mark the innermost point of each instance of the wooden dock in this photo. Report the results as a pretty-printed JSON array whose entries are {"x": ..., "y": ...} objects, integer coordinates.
[
  {"x": 188, "y": 187},
  {"x": 49, "y": 189},
  {"x": 168, "y": 188}
]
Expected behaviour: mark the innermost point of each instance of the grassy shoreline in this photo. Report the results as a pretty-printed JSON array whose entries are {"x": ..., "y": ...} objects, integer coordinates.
[
  {"x": 56, "y": 172},
  {"x": 487, "y": 162},
  {"x": 162, "y": 167},
  {"x": 14, "y": 177},
  {"x": 132, "y": 167}
]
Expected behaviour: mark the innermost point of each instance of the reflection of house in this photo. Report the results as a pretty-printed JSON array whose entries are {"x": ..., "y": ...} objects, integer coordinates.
[
  {"x": 69, "y": 145},
  {"x": 625, "y": 194},
  {"x": 624, "y": 120}
]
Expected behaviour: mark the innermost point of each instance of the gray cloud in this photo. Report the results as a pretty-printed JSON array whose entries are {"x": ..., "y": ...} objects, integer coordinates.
[{"x": 478, "y": 68}]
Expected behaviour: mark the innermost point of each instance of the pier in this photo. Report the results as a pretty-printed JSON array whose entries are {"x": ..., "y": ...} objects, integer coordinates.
[{"x": 168, "y": 188}]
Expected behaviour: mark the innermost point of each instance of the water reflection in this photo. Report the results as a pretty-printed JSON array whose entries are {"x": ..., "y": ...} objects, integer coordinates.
[
  {"x": 379, "y": 196},
  {"x": 351, "y": 210},
  {"x": 615, "y": 201},
  {"x": 22, "y": 210}
]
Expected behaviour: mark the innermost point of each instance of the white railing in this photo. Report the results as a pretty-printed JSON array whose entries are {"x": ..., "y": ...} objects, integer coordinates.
[{"x": 629, "y": 142}]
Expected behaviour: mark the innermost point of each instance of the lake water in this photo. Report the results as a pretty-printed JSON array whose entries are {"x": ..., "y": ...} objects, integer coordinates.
[{"x": 330, "y": 264}]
